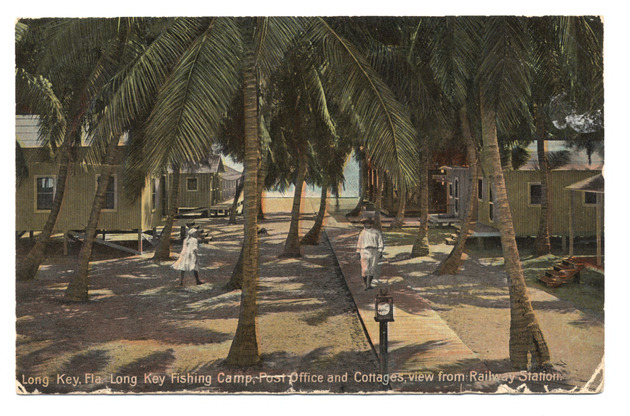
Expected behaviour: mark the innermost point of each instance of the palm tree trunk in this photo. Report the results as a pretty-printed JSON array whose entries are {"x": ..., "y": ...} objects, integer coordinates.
[
  {"x": 399, "y": 221},
  {"x": 525, "y": 335},
  {"x": 543, "y": 242},
  {"x": 363, "y": 184},
  {"x": 292, "y": 244},
  {"x": 236, "y": 279},
  {"x": 78, "y": 288},
  {"x": 453, "y": 261},
  {"x": 237, "y": 195},
  {"x": 312, "y": 237},
  {"x": 262, "y": 173},
  {"x": 388, "y": 193},
  {"x": 163, "y": 250},
  {"x": 378, "y": 199},
  {"x": 27, "y": 268},
  {"x": 244, "y": 350},
  {"x": 421, "y": 245}
]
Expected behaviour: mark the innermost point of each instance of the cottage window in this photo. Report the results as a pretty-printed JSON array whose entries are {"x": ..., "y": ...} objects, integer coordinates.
[
  {"x": 535, "y": 194},
  {"x": 456, "y": 188},
  {"x": 154, "y": 182},
  {"x": 163, "y": 196},
  {"x": 45, "y": 189},
  {"x": 110, "y": 193},
  {"x": 191, "y": 184},
  {"x": 590, "y": 198},
  {"x": 491, "y": 205},
  {"x": 480, "y": 190}
]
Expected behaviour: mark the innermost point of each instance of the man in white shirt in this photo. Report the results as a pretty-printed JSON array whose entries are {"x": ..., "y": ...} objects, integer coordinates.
[{"x": 370, "y": 248}]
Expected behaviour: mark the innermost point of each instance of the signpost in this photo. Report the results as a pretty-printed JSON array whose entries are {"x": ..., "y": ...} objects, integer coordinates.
[{"x": 384, "y": 309}]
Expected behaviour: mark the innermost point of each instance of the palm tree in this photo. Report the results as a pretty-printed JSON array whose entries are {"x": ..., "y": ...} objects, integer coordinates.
[
  {"x": 504, "y": 85},
  {"x": 547, "y": 82},
  {"x": 331, "y": 154},
  {"x": 360, "y": 156},
  {"x": 453, "y": 49},
  {"x": 163, "y": 250},
  {"x": 172, "y": 77},
  {"x": 39, "y": 92},
  {"x": 61, "y": 122},
  {"x": 302, "y": 119},
  {"x": 568, "y": 62},
  {"x": 452, "y": 263}
]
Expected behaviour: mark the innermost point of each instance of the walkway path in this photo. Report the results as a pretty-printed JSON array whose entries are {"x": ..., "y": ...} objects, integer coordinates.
[{"x": 419, "y": 340}]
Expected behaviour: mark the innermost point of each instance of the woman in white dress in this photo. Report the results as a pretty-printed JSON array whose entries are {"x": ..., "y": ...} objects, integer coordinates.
[{"x": 189, "y": 257}]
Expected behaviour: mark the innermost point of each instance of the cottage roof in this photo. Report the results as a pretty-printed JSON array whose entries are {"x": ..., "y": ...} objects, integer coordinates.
[
  {"x": 26, "y": 131},
  {"x": 230, "y": 173},
  {"x": 592, "y": 184},
  {"x": 211, "y": 164}
]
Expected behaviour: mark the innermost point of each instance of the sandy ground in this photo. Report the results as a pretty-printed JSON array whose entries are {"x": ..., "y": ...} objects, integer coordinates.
[
  {"x": 140, "y": 324},
  {"x": 475, "y": 304}
]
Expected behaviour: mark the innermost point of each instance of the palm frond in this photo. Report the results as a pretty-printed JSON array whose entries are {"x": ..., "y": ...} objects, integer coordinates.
[
  {"x": 140, "y": 82},
  {"x": 192, "y": 103},
  {"x": 504, "y": 75},
  {"x": 274, "y": 37},
  {"x": 21, "y": 167},
  {"x": 36, "y": 93},
  {"x": 21, "y": 29},
  {"x": 390, "y": 135},
  {"x": 454, "y": 44}
]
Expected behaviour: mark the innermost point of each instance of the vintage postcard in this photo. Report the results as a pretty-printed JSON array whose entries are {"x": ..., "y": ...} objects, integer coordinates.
[{"x": 309, "y": 205}]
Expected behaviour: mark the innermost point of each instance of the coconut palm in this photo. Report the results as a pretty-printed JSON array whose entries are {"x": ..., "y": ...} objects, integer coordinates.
[
  {"x": 332, "y": 151},
  {"x": 124, "y": 38},
  {"x": 61, "y": 120},
  {"x": 452, "y": 263},
  {"x": 189, "y": 74},
  {"x": 504, "y": 88},
  {"x": 568, "y": 62}
]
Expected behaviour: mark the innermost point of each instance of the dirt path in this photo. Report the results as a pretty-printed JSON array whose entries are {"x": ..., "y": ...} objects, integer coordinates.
[{"x": 141, "y": 332}]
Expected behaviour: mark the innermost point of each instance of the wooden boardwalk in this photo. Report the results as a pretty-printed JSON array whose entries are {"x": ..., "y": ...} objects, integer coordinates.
[{"x": 419, "y": 340}]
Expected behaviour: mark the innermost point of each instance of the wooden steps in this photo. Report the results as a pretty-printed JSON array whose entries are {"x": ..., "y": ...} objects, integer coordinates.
[
  {"x": 562, "y": 273},
  {"x": 451, "y": 240}
]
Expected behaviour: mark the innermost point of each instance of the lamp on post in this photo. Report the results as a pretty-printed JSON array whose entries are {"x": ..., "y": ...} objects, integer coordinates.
[{"x": 384, "y": 309}]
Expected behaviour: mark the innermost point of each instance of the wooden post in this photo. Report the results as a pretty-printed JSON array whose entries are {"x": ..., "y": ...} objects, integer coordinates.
[
  {"x": 383, "y": 347},
  {"x": 563, "y": 239},
  {"x": 571, "y": 236},
  {"x": 598, "y": 228},
  {"x": 65, "y": 242},
  {"x": 140, "y": 240}
]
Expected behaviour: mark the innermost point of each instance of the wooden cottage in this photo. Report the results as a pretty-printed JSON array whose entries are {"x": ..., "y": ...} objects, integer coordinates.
[
  {"x": 590, "y": 191},
  {"x": 524, "y": 194},
  {"x": 34, "y": 195},
  {"x": 231, "y": 179},
  {"x": 201, "y": 185},
  {"x": 208, "y": 187}
]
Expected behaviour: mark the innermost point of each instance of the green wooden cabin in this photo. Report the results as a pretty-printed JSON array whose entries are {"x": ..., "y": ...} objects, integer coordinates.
[
  {"x": 35, "y": 194},
  {"x": 200, "y": 184},
  {"x": 523, "y": 188}
]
